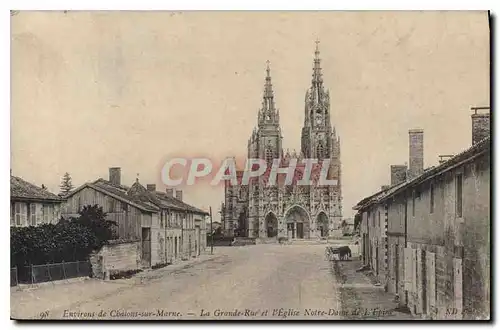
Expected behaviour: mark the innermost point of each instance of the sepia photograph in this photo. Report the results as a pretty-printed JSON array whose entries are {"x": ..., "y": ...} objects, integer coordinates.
[{"x": 250, "y": 165}]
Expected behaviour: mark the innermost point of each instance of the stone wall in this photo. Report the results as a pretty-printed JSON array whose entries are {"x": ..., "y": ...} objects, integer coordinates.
[
  {"x": 474, "y": 233},
  {"x": 116, "y": 257},
  {"x": 157, "y": 241}
]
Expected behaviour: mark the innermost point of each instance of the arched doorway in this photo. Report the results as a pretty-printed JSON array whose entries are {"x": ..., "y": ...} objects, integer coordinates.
[
  {"x": 271, "y": 225},
  {"x": 322, "y": 224},
  {"x": 297, "y": 222},
  {"x": 241, "y": 230}
]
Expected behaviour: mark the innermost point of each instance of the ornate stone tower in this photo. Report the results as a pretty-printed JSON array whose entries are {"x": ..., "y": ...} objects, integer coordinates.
[
  {"x": 264, "y": 143},
  {"x": 320, "y": 141},
  {"x": 266, "y": 139}
]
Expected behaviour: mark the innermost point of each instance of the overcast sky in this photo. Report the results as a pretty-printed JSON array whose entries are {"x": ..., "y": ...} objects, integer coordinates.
[{"x": 91, "y": 90}]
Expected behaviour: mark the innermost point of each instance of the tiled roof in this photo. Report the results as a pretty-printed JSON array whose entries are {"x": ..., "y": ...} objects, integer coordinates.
[
  {"x": 117, "y": 191},
  {"x": 22, "y": 189},
  {"x": 477, "y": 149},
  {"x": 140, "y": 197},
  {"x": 171, "y": 202},
  {"x": 123, "y": 192}
]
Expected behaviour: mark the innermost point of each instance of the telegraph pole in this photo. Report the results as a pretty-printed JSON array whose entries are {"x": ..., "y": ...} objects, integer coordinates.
[{"x": 211, "y": 233}]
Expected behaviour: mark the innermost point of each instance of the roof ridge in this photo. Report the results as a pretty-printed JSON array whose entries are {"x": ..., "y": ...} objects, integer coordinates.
[{"x": 42, "y": 193}]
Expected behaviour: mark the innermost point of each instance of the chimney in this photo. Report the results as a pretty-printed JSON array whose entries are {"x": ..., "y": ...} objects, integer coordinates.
[
  {"x": 115, "y": 174},
  {"x": 444, "y": 158},
  {"x": 151, "y": 187},
  {"x": 170, "y": 192},
  {"x": 398, "y": 174},
  {"x": 178, "y": 194},
  {"x": 480, "y": 124},
  {"x": 416, "y": 139}
]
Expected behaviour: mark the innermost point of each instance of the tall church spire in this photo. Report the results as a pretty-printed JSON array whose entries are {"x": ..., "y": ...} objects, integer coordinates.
[
  {"x": 317, "y": 90},
  {"x": 317, "y": 80},
  {"x": 316, "y": 133},
  {"x": 268, "y": 113},
  {"x": 268, "y": 101}
]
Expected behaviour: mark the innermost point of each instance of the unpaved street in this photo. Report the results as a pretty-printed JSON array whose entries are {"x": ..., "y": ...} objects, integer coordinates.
[{"x": 262, "y": 281}]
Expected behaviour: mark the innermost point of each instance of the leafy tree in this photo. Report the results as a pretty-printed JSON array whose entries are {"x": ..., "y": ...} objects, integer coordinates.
[
  {"x": 66, "y": 185},
  {"x": 94, "y": 218}
]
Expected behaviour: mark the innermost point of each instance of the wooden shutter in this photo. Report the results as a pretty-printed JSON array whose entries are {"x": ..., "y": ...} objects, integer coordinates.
[
  {"x": 39, "y": 214},
  {"x": 24, "y": 214},
  {"x": 414, "y": 270},
  {"x": 457, "y": 269},
  {"x": 12, "y": 214},
  {"x": 32, "y": 213},
  {"x": 17, "y": 214},
  {"x": 418, "y": 278},
  {"x": 431, "y": 279},
  {"x": 408, "y": 268}
]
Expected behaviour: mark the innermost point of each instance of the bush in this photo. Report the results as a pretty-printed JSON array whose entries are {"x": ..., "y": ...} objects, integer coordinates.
[
  {"x": 65, "y": 241},
  {"x": 159, "y": 265},
  {"x": 123, "y": 274}
]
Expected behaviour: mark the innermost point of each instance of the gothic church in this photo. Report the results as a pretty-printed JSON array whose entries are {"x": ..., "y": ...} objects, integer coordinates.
[{"x": 294, "y": 212}]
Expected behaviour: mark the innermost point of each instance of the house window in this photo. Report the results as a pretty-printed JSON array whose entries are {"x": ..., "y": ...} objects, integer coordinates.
[
  {"x": 458, "y": 190},
  {"x": 18, "y": 214},
  {"x": 45, "y": 213},
  {"x": 379, "y": 218},
  {"x": 32, "y": 216},
  {"x": 12, "y": 214},
  {"x": 161, "y": 220},
  {"x": 413, "y": 203},
  {"x": 432, "y": 198},
  {"x": 48, "y": 213}
]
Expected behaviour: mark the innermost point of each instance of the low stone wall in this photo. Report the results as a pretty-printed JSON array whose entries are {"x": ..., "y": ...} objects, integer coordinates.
[
  {"x": 116, "y": 257},
  {"x": 241, "y": 241},
  {"x": 266, "y": 240}
]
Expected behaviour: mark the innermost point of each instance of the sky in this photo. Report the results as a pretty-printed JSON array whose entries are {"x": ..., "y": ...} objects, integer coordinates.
[{"x": 93, "y": 90}]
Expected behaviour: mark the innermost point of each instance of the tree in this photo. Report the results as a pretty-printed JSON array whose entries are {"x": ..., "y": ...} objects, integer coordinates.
[
  {"x": 94, "y": 218},
  {"x": 43, "y": 187},
  {"x": 66, "y": 185}
]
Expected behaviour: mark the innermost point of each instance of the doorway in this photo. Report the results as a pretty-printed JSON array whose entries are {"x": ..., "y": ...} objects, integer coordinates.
[
  {"x": 300, "y": 230},
  {"x": 175, "y": 247},
  {"x": 146, "y": 247},
  {"x": 322, "y": 223},
  {"x": 297, "y": 221},
  {"x": 271, "y": 225},
  {"x": 396, "y": 260}
]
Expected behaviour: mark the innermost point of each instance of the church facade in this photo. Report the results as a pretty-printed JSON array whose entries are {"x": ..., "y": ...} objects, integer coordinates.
[{"x": 258, "y": 210}]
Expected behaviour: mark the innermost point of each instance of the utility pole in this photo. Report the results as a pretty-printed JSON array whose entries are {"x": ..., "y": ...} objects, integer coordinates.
[{"x": 211, "y": 233}]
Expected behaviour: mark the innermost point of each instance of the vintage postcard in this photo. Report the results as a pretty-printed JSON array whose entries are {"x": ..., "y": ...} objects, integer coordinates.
[{"x": 319, "y": 165}]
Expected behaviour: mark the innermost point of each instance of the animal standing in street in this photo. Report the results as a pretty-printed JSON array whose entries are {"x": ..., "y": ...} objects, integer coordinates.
[{"x": 342, "y": 253}]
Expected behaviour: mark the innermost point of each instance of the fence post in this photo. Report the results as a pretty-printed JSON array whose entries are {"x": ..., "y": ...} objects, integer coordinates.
[
  {"x": 32, "y": 274},
  {"x": 16, "y": 278},
  {"x": 64, "y": 270},
  {"x": 48, "y": 272},
  {"x": 78, "y": 268}
]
